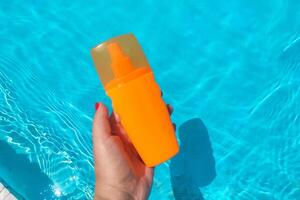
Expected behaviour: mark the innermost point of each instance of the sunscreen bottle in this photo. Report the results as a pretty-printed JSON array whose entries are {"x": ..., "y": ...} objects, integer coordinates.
[{"x": 129, "y": 82}]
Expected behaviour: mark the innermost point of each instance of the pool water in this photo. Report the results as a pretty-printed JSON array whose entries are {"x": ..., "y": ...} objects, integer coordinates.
[{"x": 232, "y": 66}]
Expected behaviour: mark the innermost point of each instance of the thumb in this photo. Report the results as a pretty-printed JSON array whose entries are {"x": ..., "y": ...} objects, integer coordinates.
[{"x": 101, "y": 125}]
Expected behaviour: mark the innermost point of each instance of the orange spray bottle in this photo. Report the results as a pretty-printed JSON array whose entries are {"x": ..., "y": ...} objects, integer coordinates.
[{"x": 129, "y": 82}]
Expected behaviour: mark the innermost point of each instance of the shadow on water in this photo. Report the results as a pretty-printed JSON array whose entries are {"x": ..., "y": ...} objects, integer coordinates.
[
  {"x": 23, "y": 176},
  {"x": 194, "y": 166}
]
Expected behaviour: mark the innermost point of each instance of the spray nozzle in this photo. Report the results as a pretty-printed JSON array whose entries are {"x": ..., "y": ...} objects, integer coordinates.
[{"x": 120, "y": 63}]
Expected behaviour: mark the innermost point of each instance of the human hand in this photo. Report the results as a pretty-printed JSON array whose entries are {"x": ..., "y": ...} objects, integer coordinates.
[{"x": 120, "y": 172}]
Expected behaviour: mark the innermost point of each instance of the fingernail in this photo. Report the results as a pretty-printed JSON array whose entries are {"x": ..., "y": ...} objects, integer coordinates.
[
  {"x": 97, "y": 106},
  {"x": 174, "y": 126},
  {"x": 170, "y": 108}
]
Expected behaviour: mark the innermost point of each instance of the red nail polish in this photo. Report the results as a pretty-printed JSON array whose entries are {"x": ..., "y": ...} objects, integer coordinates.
[{"x": 97, "y": 106}]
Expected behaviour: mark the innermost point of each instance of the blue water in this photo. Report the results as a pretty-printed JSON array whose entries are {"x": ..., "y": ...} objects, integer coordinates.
[{"x": 231, "y": 70}]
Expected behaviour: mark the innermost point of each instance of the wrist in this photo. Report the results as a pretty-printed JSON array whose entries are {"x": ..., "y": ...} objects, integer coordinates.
[{"x": 111, "y": 193}]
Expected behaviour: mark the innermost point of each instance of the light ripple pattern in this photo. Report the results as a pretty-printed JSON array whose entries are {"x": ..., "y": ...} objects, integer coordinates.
[{"x": 234, "y": 64}]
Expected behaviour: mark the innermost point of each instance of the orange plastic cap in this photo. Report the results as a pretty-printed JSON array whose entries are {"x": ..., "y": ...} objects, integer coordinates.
[{"x": 118, "y": 57}]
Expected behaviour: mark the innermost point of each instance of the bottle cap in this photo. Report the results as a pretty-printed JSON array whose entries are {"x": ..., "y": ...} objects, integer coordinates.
[{"x": 118, "y": 57}]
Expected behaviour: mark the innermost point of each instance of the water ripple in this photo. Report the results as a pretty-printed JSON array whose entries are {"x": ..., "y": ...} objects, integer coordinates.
[{"x": 47, "y": 136}]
